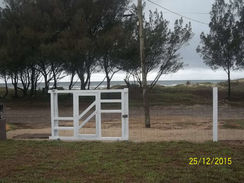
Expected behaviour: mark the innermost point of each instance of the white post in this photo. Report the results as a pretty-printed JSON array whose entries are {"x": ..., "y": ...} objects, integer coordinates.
[
  {"x": 126, "y": 109},
  {"x": 55, "y": 109},
  {"x": 122, "y": 94},
  {"x": 98, "y": 115},
  {"x": 52, "y": 113},
  {"x": 215, "y": 114},
  {"x": 76, "y": 114}
]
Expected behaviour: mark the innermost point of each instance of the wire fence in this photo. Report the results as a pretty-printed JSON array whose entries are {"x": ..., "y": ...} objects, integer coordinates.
[{"x": 175, "y": 122}]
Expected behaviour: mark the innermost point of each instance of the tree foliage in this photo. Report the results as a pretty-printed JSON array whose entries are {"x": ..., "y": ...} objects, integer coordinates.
[
  {"x": 162, "y": 46},
  {"x": 220, "y": 48},
  {"x": 46, "y": 40}
]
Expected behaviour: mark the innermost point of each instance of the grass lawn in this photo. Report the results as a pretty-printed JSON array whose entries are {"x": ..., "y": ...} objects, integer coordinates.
[{"x": 46, "y": 161}]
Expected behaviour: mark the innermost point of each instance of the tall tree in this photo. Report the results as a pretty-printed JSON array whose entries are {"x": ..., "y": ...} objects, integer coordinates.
[
  {"x": 3, "y": 58},
  {"x": 161, "y": 49},
  {"x": 143, "y": 67},
  {"x": 110, "y": 36},
  {"x": 218, "y": 47},
  {"x": 238, "y": 8}
]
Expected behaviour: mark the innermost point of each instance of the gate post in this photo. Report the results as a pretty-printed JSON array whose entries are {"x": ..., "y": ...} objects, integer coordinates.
[
  {"x": 125, "y": 114},
  {"x": 75, "y": 114},
  {"x": 52, "y": 114},
  {"x": 98, "y": 115}
]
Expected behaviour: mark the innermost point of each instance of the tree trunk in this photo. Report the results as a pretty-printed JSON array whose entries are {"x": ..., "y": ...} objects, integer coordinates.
[
  {"x": 35, "y": 86},
  {"x": 88, "y": 78},
  {"x": 143, "y": 68},
  {"x": 146, "y": 107},
  {"x": 108, "y": 82},
  {"x": 82, "y": 81},
  {"x": 89, "y": 84},
  {"x": 55, "y": 81},
  {"x": 15, "y": 90},
  {"x": 127, "y": 83},
  {"x": 229, "y": 85},
  {"x": 46, "y": 84},
  {"x": 15, "y": 84},
  {"x": 105, "y": 65},
  {"x": 127, "y": 80},
  {"x": 53, "y": 68},
  {"x": 71, "y": 81},
  {"x": 24, "y": 83},
  {"x": 33, "y": 74},
  {"x": 6, "y": 87}
]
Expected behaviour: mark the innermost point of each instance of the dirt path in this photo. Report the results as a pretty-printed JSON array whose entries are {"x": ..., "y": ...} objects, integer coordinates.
[{"x": 141, "y": 135}]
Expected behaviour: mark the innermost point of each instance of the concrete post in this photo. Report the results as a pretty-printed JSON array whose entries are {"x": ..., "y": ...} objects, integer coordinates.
[{"x": 215, "y": 114}]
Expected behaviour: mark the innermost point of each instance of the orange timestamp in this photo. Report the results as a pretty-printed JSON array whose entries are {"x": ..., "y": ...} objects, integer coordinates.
[{"x": 194, "y": 161}]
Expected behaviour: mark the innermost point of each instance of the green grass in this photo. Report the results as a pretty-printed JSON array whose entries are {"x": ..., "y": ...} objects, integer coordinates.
[{"x": 45, "y": 161}]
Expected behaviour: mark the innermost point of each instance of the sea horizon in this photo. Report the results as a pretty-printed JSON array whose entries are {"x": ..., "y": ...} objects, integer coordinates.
[{"x": 94, "y": 84}]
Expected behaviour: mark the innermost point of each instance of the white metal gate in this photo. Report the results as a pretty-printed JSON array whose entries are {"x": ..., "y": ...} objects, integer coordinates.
[{"x": 124, "y": 111}]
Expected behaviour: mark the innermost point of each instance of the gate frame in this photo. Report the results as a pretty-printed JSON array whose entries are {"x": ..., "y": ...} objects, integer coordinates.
[{"x": 124, "y": 111}]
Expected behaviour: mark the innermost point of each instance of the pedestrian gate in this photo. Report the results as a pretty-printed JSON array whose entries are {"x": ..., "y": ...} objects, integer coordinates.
[{"x": 75, "y": 128}]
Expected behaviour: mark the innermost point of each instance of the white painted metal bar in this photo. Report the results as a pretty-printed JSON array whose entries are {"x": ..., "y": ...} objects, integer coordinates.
[
  {"x": 87, "y": 135},
  {"x": 112, "y": 138},
  {"x": 215, "y": 114},
  {"x": 87, "y": 109},
  {"x": 111, "y": 101},
  {"x": 64, "y": 118},
  {"x": 64, "y": 128},
  {"x": 86, "y": 91},
  {"x": 87, "y": 119},
  {"x": 111, "y": 111}
]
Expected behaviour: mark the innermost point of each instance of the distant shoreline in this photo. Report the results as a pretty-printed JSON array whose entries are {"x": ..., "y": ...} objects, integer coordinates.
[{"x": 65, "y": 85}]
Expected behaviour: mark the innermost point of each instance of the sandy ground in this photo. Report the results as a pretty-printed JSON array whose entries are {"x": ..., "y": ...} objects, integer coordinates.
[
  {"x": 174, "y": 123},
  {"x": 141, "y": 135}
]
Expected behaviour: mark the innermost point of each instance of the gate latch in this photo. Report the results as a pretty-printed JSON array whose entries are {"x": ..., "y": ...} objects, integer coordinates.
[{"x": 125, "y": 116}]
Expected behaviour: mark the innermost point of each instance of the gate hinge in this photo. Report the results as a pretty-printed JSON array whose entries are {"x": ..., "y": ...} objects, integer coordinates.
[{"x": 125, "y": 116}]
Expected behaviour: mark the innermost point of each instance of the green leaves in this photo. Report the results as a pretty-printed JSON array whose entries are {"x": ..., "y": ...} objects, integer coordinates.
[{"x": 222, "y": 47}]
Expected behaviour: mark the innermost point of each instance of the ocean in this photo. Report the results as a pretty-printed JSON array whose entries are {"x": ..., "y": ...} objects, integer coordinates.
[{"x": 94, "y": 84}]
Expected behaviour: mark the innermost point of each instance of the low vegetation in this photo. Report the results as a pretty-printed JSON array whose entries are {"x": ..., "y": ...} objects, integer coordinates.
[
  {"x": 42, "y": 161},
  {"x": 185, "y": 94}
]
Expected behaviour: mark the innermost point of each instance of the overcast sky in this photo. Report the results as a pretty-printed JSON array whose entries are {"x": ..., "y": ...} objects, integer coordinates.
[
  {"x": 196, "y": 9},
  {"x": 194, "y": 67}
]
